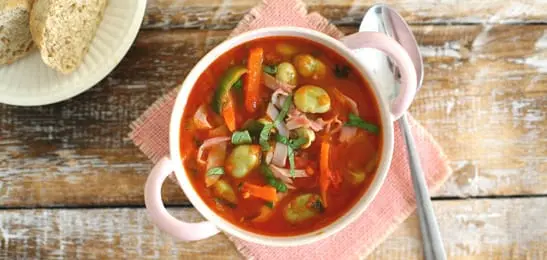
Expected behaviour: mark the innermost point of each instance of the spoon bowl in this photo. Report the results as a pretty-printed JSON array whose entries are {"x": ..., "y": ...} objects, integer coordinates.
[{"x": 384, "y": 19}]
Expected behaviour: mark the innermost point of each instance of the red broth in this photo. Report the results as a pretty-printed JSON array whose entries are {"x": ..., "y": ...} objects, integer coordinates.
[{"x": 351, "y": 164}]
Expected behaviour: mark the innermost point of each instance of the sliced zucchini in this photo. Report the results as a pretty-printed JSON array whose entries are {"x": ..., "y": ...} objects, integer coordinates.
[{"x": 228, "y": 79}]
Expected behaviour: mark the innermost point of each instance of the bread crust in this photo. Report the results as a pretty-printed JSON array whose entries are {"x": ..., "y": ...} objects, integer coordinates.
[
  {"x": 15, "y": 37},
  {"x": 63, "y": 30}
]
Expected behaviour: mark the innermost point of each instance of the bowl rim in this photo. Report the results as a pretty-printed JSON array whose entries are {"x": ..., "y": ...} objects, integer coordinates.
[{"x": 349, "y": 216}]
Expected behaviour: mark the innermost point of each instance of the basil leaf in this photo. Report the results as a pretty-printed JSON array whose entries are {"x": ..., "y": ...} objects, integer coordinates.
[
  {"x": 265, "y": 136},
  {"x": 270, "y": 69},
  {"x": 282, "y": 139},
  {"x": 290, "y": 154},
  {"x": 215, "y": 171},
  {"x": 284, "y": 109},
  {"x": 271, "y": 179},
  {"x": 269, "y": 204},
  {"x": 293, "y": 143},
  {"x": 242, "y": 137},
  {"x": 265, "y": 133},
  {"x": 356, "y": 121},
  {"x": 298, "y": 142},
  {"x": 291, "y": 146},
  {"x": 341, "y": 71}
]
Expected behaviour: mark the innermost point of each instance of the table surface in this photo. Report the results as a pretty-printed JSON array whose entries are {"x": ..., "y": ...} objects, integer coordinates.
[{"x": 71, "y": 182}]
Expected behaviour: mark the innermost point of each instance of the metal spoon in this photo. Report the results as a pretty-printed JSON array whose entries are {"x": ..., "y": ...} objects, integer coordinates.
[{"x": 382, "y": 18}]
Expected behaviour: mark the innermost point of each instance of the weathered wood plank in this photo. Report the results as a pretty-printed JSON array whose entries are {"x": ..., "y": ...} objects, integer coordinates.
[
  {"x": 472, "y": 229},
  {"x": 484, "y": 99},
  {"x": 222, "y": 14}
]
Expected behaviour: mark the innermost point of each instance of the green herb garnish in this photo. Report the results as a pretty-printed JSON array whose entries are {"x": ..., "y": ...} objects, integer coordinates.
[
  {"x": 290, "y": 154},
  {"x": 271, "y": 179},
  {"x": 215, "y": 171},
  {"x": 354, "y": 120},
  {"x": 282, "y": 139},
  {"x": 292, "y": 144},
  {"x": 269, "y": 204},
  {"x": 241, "y": 137},
  {"x": 284, "y": 109},
  {"x": 265, "y": 136},
  {"x": 265, "y": 133},
  {"x": 270, "y": 69},
  {"x": 342, "y": 71},
  {"x": 298, "y": 142}
]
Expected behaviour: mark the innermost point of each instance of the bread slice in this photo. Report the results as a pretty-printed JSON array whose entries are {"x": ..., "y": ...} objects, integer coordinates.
[
  {"x": 64, "y": 29},
  {"x": 15, "y": 38}
]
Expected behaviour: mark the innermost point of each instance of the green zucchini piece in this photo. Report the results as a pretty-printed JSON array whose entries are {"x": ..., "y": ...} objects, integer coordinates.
[{"x": 228, "y": 79}]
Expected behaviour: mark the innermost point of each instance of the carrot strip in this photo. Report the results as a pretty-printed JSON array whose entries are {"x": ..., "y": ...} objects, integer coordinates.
[
  {"x": 267, "y": 193},
  {"x": 324, "y": 177},
  {"x": 229, "y": 113},
  {"x": 252, "y": 86}
]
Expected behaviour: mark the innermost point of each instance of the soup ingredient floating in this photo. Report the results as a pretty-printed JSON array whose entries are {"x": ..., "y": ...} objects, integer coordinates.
[{"x": 277, "y": 143}]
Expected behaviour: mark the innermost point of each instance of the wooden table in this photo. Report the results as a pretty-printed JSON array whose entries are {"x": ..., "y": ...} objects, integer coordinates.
[{"x": 71, "y": 182}]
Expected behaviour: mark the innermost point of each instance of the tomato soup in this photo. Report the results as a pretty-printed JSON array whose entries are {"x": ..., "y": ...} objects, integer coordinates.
[{"x": 281, "y": 136}]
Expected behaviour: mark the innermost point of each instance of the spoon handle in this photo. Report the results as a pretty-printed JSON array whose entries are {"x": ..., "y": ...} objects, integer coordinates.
[{"x": 432, "y": 241}]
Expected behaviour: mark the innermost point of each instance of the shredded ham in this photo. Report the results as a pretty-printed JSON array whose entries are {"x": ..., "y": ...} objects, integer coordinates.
[
  {"x": 280, "y": 154},
  {"x": 287, "y": 172},
  {"x": 347, "y": 133},
  {"x": 208, "y": 143},
  {"x": 274, "y": 84},
  {"x": 272, "y": 113},
  {"x": 298, "y": 120},
  {"x": 200, "y": 118},
  {"x": 332, "y": 125},
  {"x": 294, "y": 112},
  {"x": 278, "y": 173}
]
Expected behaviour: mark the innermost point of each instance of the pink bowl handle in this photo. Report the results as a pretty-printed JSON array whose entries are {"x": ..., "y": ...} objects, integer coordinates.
[
  {"x": 396, "y": 52},
  {"x": 159, "y": 215}
]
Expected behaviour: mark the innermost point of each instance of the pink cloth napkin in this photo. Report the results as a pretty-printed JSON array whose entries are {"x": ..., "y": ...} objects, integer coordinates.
[{"x": 393, "y": 204}]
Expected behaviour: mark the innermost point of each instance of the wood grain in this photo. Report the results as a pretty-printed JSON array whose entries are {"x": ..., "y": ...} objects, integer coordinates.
[
  {"x": 219, "y": 14},
  {"x": 483, "y": 98},
  {"x": 472, "y": 229}
]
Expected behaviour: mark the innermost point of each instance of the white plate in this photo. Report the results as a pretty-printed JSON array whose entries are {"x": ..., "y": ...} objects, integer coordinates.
[{"x": 29, "y": 82}]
